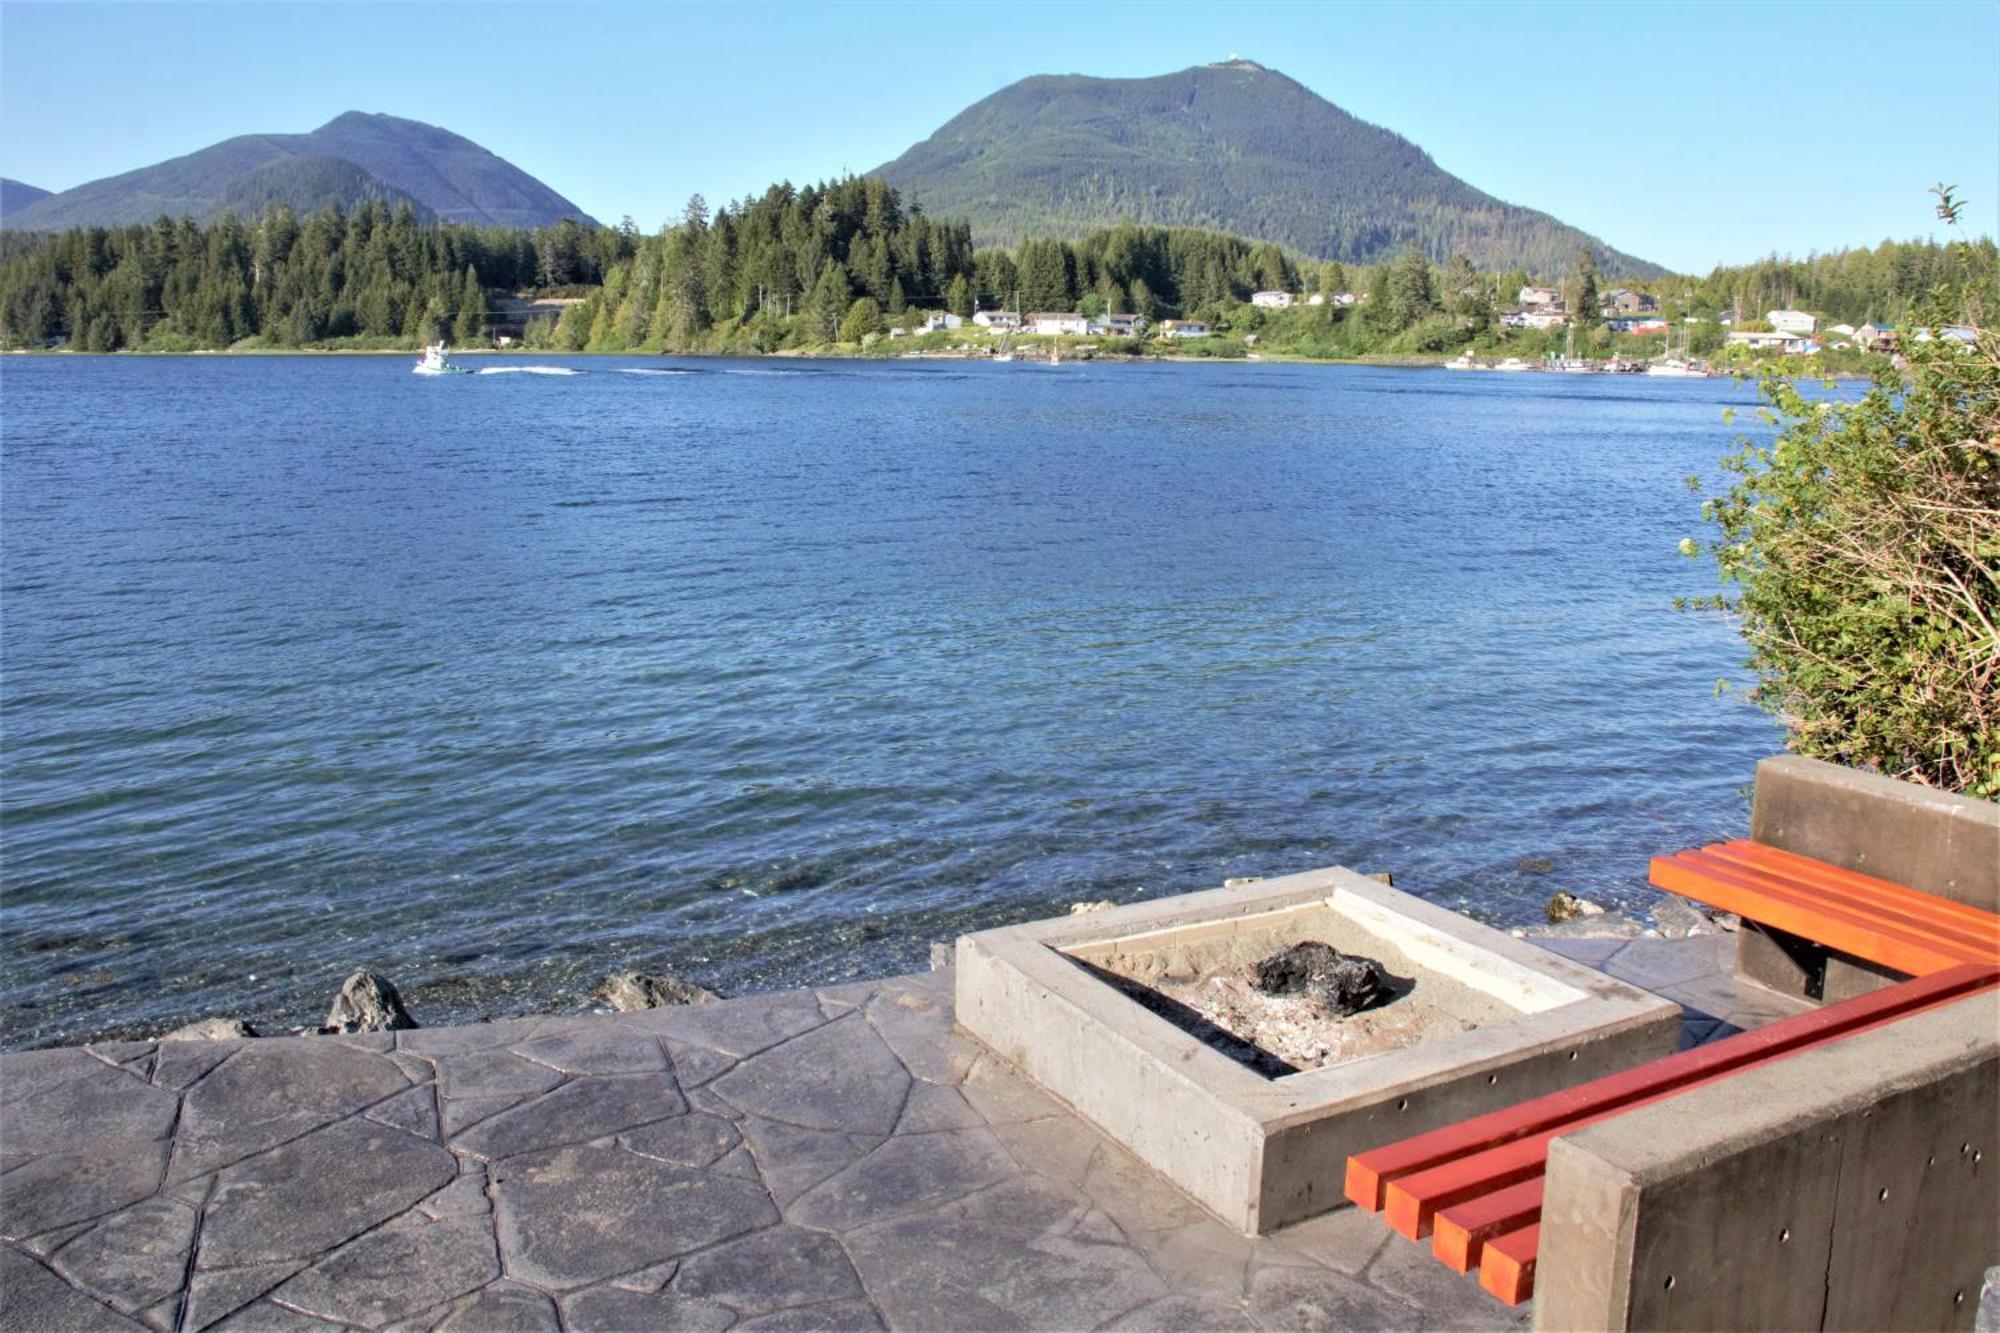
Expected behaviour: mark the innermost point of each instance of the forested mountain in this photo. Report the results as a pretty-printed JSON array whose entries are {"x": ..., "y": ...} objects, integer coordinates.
[
  {"x": 805, "y": 267},
  {"x": 16, "y": 195},
  {"x": 353, "y": 159},
  {"x": 1234, "y": 147}
]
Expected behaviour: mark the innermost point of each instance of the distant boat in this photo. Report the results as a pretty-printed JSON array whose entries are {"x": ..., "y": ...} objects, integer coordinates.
[
  {"x": 435, "y": 362},
  {"x": 1513, "y": 363},
  {"x": 1575, "y": 365},
  {"x": 1463, "y": 361}
]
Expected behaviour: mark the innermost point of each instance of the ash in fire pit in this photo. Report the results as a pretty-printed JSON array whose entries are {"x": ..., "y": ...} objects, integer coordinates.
[
  {"x": 1284, "y": 1005},
  {"x": 1339, "y": 983}
]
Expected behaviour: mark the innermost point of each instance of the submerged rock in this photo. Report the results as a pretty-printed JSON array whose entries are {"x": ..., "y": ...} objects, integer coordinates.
[
  {"x": 1339, "y": 983},
  {"x": 626, "y": 991},
  {"x": 212, "y": 1029},
  {"x": 1603, "y": 926},
  {"x": 1085, "y": 909},
  {"x": 1569, "y": 907},
  {"x": 1677, "y": 918},
  {"x": 367, "y": 1003}
]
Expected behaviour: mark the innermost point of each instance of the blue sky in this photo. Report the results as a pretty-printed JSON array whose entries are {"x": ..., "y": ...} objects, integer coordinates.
[{"x": 1689, "y": 133}]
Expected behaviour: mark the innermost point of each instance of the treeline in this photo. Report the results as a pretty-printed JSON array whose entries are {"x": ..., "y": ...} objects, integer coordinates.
[
  {"x": 788, "y": 269},
  {"x": 374, "y": 274},
  {"x": 1853, "y": 286},
  {"x": 799, "y": 267}
]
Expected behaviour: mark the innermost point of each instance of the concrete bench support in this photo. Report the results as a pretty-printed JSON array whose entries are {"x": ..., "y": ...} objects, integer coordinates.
[
  {"x": 1930, "y": 840},
  {"x": 1849, "y": 1187}
]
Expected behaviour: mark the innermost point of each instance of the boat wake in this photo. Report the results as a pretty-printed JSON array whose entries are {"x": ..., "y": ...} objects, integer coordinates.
[
  {"x": 651, "y": 370},
  {"x": 528, "y": 370}
]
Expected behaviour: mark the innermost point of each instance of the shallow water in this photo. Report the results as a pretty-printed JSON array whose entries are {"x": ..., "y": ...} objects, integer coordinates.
[{"x": 773, "y": 673}]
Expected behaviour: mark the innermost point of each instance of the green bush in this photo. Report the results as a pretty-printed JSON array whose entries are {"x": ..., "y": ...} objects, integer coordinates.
[{"x": 1863, "y": 546}]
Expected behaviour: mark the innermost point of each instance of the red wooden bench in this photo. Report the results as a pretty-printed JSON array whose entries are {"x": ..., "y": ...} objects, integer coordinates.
[
  {"x": 1883, "y": 922},
  {"x": 1476, "y": 1187}
]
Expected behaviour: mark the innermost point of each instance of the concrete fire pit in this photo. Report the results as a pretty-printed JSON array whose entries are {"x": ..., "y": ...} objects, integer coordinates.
[{"x": 1492, "y": 1020}]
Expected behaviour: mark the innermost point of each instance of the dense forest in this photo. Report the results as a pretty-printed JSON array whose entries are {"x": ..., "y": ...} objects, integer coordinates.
[
  {"x": 799, "y": 268},
  {"x": 783, "y": 270}
]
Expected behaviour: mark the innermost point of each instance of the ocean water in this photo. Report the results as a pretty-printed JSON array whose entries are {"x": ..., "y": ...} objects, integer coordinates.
[{"x": 772, "y": 673}]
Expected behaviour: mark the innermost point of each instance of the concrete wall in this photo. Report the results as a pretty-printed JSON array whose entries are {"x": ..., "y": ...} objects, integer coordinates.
[
  {"x": 1848, "y": 1187},
  {"x": 1930, "y": 840}
]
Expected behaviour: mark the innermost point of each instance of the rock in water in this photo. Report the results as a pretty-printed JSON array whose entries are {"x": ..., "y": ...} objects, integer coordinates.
[
  {"x": 212, "y": 1029},
  {"x": 367, "y": 1003},
  {"x": 626, "y": 991},
  {"x": 1339, "y": 983},
  {"x": 1569, "y": 907},
  {"x": 1085, "y": 909}
]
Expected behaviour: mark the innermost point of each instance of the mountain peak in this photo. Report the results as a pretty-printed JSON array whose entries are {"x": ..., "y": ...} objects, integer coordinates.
[
  {"x": 1262, "y": 156},
  {"x": 353, "y": 159}
]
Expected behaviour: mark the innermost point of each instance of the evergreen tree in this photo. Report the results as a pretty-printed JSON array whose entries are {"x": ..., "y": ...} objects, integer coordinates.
[
  {"x": 832, "y": 295},
  {"x": 863, "y": 318},
  {"x": 1582, "y": 296},
  {"x": 1407, "y": 295},
  {"x": 470, "y": 326}
]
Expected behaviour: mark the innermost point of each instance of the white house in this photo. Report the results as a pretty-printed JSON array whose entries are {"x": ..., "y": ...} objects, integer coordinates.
[
  {"x": 1543, "y": 319},
  {"x": 1000, "y": 321},
  {"x": 1844, "y": 330},
  {"x": 1271, "y": 300},
  {"x": 1792, "y": 321},
  {"x": 1183, "y": 328},
  {"x": 939, "y": 321},
  {"x": 1317, "y": 298},
  {"x": 1120, "y": 326},
  {"x": 1052, "y": 322},
  {"x": 1792, "y": 344},
  {"x": 1541, "y": 296}
]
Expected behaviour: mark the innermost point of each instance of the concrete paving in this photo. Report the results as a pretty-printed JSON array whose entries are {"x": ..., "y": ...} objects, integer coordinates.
[{"x": 833, "y": 1159}]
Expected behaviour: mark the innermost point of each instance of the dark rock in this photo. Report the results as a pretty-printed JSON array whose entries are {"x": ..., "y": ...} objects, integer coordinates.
[
  {"x": 367, "y": 1003},
  {"x": 1568, "y": 907},
  {"x": 1339, "y": 983},
  {"x": 1677, "y": 918},
  {"x": 626, "y": 991},
  {"x": 1536, "y": 865},
  {"x": 212, "y": 1029}
]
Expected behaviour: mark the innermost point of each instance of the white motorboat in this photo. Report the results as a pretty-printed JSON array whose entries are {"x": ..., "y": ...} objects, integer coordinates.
[
  {"x": 1513, "y": 363},
  {"x": 1463, "y": 361},
  {"x": 1675, "y": 368},
  {"x": 436, "y": 361}
]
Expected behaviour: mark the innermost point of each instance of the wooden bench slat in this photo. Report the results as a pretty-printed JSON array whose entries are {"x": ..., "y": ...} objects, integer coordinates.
[
  {"x": 1919, "y": 911},
  {"x": 1462, "y": 1230},
  {"x": 1507, "y": 1264},
  {"x": 1368, "y": 1173},
  {"x": 1842, "y": 903},
  {"x": 1411, "y": 1201},
  {"x": 1777, "y": 858},
  {"x": 1867, "y": 939}
]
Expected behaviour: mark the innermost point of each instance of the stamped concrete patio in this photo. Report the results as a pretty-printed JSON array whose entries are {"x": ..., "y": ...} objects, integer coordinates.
[{"x": 838, "y": 1159}]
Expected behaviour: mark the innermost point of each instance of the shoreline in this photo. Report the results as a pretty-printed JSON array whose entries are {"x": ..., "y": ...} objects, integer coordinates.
[{"x": 1385, "y": 361}]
